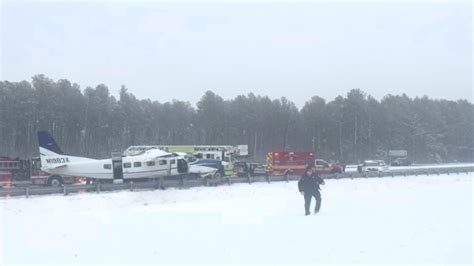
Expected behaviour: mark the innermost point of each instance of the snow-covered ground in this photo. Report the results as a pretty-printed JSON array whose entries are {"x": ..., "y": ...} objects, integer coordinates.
[
  {"x": 378, "y": 220},
  {"x": 353, "y": 168}
]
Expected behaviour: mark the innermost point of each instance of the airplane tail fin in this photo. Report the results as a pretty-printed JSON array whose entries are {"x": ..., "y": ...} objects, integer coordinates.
[
  {"x": 47, "y": 144},
  {"x": 51, "y": 155}
]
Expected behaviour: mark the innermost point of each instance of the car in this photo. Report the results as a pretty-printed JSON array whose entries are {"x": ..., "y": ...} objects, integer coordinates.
[
  {"x": 253, "y": 169},
  {"x": 371, "y": 166},
  {"x": 258, "y": 169},
  {"x": 241, "y": 169},
  {"x": 401, "y": 162}
]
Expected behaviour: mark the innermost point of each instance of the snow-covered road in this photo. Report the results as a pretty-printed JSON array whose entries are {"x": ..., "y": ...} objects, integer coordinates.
[{"x": 379, "y": 220}]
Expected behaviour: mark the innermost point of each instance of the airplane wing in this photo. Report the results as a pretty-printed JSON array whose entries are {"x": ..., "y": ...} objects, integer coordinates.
[
  {"x": 199, "y": 169},
  {"x": 153, "y": 154}
]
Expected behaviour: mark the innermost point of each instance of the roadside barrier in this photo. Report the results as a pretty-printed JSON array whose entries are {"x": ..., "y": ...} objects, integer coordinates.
[{"x": 161, "y": 183}]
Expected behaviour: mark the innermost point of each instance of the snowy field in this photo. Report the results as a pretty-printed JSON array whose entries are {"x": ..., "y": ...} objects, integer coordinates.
[
  {"x": 353, "y": 168},
  {"x": 378, "y": 220}
]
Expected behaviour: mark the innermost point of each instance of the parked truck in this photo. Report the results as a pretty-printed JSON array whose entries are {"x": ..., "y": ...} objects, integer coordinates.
[
  {"x": 295, "y": 162},
  {"x": 289, "y": 162}
]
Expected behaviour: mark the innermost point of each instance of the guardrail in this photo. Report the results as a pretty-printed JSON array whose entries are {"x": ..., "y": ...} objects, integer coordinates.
[
  {"x": 414, "y": 171},
  {"x": 187, "y": 183}
]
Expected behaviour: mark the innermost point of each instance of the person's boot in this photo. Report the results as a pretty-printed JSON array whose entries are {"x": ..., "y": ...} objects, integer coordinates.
[{"x": 307, "y": 213}]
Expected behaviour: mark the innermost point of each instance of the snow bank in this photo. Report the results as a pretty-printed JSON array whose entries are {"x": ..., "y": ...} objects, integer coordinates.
[
  {"x": 377, "y": 220},
  {"x": 432, "y": 166}
]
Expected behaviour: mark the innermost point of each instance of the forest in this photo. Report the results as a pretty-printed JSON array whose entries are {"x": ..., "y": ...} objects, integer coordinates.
[{"x": 93, "y": 123}]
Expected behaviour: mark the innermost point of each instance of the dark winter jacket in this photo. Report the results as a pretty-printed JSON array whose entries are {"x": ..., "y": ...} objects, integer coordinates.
[{"x": 309, "y": 184}]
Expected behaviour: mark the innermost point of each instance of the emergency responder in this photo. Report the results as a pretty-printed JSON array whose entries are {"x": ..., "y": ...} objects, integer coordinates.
[{"x": 309, "y": 187}]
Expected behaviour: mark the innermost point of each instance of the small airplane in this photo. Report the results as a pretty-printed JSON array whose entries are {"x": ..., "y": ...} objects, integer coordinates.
[
  {"x": 194, "y": 170},
  {"x": 152, "y": 163}
]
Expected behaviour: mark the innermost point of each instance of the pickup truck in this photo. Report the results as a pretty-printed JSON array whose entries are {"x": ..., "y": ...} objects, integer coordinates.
[{"x": 368, "y": 166}]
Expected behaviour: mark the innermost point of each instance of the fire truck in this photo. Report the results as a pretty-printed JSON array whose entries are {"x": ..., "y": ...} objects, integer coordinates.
[
  {"x": 289, "y": 162},
  {"x": 28, "y": 171},
  {"x": 295, "y": 162}
]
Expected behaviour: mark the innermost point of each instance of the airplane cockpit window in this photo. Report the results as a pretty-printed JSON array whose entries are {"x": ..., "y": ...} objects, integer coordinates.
[
  {"x": 107, "y": 166},
  {"x": 173, "y": 161},
  {"x": 137, "y": 164},
  {"x": 150, "y": 163},
  {"x": 127, "y": 165},
  {"x": 162, "y": 162}
]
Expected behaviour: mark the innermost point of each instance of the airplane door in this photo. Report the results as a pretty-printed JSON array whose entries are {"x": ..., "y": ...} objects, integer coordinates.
[
  {"x": 182, "y": 166},
  {"x": 117, "y": 165}
]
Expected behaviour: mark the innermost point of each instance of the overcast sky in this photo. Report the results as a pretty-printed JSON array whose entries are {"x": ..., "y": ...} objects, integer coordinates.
[{"x": 169, "y": 51}]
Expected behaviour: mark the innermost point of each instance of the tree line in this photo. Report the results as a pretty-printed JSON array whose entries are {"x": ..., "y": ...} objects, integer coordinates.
[{"x": 94, "y": 123}]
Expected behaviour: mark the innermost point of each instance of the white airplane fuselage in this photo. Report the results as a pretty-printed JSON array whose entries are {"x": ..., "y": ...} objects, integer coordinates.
[{"x": 135, "y": 167}]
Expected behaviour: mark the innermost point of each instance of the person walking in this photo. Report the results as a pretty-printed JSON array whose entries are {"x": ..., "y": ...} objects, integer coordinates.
[{"x": 309, "y": 188}]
